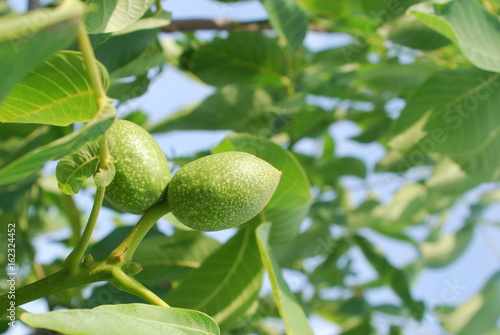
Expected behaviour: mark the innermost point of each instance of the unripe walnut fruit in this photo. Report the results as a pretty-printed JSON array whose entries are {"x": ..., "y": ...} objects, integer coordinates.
[
  {"x": 221, "y": 191},
  {"x": 142, "y": 172}
]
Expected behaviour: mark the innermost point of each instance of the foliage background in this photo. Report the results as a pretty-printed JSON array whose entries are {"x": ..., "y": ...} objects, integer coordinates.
[{"x": 349, "y": 92}]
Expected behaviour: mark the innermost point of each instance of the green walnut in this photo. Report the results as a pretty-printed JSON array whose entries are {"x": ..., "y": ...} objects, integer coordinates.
[
  {"x": 142, "y": 172},
  {"x": 221, "y": 191}
]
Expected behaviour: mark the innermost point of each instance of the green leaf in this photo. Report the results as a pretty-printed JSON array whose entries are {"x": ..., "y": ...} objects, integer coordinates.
[
  {"x": 426, "y": 13},
  {"x": 479, "y": 314},
  {"x": 390, "y": 275},
  {"x": 328, "y": 9},
  {"x": 124, "y": 319},
  {"x": 12, "y": 194},
  {"x": 336, "y": 57},
  {"x": 407, "y": 202},
  {"x": 349, "y": 313},
  {"x": 121, "y": 51},
  {"x": 399, "y": 162},
  {"x": 232, "y": 108},
  {"x": 375, "y": 130},
  {"x": 228, "y": 282},
  {"x": 395, "y": 330},
  {"x": 328, "y": 169},
  {"x": 386, "y": 10},
  {"x": 363, "y": 327},
  {"x": 34, "y": 160},
  {"x": 72, "y": 170},
  {"x": 57, "y": 93},
  {"x": 4, "y": 325},
  {"x": 125, "y": 91},
  {"x": 409, "y": 31},
  {"x": 288, "y": 20},
  {"x": 322, "y": 74},
  {"x": 310, "y": 121},
  {"x": 173, "y": 257},
  {"x": 454, "y": 113},
  {"x": 157, "y": 20},
  {"x": 27, "y": 40},
  {"x": 395, "y": 78},
  {"x": 149, "y": 59},
  {"x": 329, "y": 272},
  {"x": 317, "y": 240},
  {"x": 469, "y": 25},
  {"x": 243, "y": 58},
  {"x": 290, "y": 203},
  {"x": 477, "y": 31},
  {"x": 20, "y": 138},
  {"x": 107, "y": 16},
  {"x": 331, "y": 168},
  {"x": 448, "y": 248},
  {"x": 291, "y": 312},
  {"x": 406, "y": 208},
  {"x": 448, "y": 178}
]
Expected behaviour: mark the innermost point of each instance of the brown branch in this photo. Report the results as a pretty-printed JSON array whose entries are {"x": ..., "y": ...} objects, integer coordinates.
[{"x": 221, "y": 24}]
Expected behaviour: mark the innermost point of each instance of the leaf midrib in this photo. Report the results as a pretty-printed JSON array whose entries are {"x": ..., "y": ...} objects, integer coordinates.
[{"x": 230, "y": 272}]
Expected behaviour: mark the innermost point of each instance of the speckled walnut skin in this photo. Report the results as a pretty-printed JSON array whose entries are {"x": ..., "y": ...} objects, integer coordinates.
[
  {"x": 222, "y": 191},
  {"x": 142, "y": 172}
]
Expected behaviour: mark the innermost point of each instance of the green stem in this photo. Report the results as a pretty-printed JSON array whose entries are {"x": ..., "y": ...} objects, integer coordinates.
[
  {"x": 91, "y": 65},
  {"x": 128, "y": 284},
  {"x": 75, "y": 257},
  {"x": 61, "y": 280},
  {"x": 104, "y": 156},
  {"x": 75, "y": 275},
  {"x": 124, "y": 252},
  {"x": 73, "y": 215}
]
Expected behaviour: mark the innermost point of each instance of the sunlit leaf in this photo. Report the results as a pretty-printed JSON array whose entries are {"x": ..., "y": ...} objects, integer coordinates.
[
  {"x": 124, "y": 319},
  {"x": 107, "y": 16},
  {"x": 454, "y": 113},
  {"x": 29, "y": 39},
  {"x": 473, "y": 28},
  {"x": 57, "y": 93},
  {"x": 479, "y": 314},
  {"x": 157, "y": 20},
  {"x": 448, "y": 248}
]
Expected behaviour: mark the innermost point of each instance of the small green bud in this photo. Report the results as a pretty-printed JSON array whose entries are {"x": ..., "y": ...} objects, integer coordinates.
[
  {"x": 88, "y": 261},
  {"x": 133, "y": 268}
]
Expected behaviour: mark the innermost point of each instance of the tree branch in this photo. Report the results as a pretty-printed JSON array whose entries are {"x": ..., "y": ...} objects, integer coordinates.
[{"x": 221, "y": 24}]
